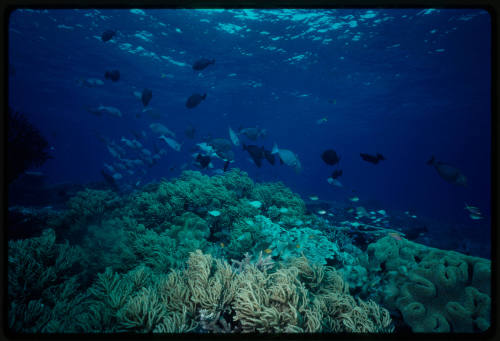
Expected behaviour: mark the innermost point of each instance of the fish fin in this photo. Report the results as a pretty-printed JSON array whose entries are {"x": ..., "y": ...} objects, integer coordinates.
[
  {"x": 275, "y": 149},
  {"x": 431, "y": 161},
  {"x": 379, "y": 156}
]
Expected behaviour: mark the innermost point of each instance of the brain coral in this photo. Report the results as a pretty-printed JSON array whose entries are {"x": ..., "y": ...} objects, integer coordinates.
[{"x": 435, "y": 290}]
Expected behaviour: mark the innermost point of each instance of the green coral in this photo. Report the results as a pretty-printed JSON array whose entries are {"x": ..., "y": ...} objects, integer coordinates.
[
  {"x": 194, "y": 192},
  {"x": 88, "y": 207},
  {"x": 260, "y": 233},
  {"x": 274, "y": 196},
  {"x": 43, "y": 282},
  {"x": 435, "y": 290}
]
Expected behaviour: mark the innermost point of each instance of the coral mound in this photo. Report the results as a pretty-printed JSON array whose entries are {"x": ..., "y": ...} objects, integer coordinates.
[{"x": 435, "y": 290}]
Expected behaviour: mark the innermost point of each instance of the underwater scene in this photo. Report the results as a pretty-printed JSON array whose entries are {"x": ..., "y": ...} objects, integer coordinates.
[{"x": 248, "y": 171}]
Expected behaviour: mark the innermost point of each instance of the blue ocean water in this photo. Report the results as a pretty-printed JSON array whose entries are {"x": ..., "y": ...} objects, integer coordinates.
[{"x": 406, "y": 83}]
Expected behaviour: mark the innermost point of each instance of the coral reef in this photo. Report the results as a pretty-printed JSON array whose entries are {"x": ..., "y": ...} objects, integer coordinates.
[
  {"x": 156, "y": 260},
  {"x": 43, "y": 284},
  {"x": 275, "y": 196},
  {"x": 87, "y": 207},
  {"x": 161, "y": 223},
  {"x": 435, "y": 290},
  {"x": 211, "y": 296},
  {"x": 260, "y": 233}
]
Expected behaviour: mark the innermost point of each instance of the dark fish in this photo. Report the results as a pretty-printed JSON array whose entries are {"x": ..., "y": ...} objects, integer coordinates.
[
  {"x": 108, "y": 35},
  {"x": 256, "y": 153},
  {"x": 269, "y": 156},
  {"x": 330, "y": 157},
  {"x": 371, "y": 158},
  {"x": 415, "y": 232},
  {"x": 203, "y": 160},
  {"x": 336, "y": 173},
  {"x": 190, "y": 131},
  {"x": 147, "y": 94},
  {"x": 226, "y": 165},
  {"x": 109, "y": 180},
  {"x": 194, "y": 100},
  {"x": 114, "y": 75},
  {"x": 202, "y": 63},
  {"x": 448, "y": 172}
]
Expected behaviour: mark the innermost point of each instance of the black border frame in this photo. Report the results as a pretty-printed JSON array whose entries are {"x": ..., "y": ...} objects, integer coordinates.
[{"x": 490, "y": 6}]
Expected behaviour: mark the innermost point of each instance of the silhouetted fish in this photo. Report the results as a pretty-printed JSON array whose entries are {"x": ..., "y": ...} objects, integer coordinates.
[
  {"x": 110, "y": 180},
  {"x": 203, "y": 160},
  {"x": 147, "y": 94},
  {"x": 194, "y": 100},
  {"x": 256, "y": 153},
  {"x": 114, "y": 75},
  {"x": 448, "y": 172},
  {"x": 107, "y": 35},
  {"x": 371, "y": 158},
  {"x": 269, "y": 156},
  {"x": 330, "y": 157},
  {"x": 226, "y": 165},
  {"x": 202, "y": 63}
]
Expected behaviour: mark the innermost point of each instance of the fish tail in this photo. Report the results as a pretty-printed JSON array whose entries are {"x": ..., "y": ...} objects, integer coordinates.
[
  {"x": 431, "y": 161},
  {"x": 275, "y": 149}
]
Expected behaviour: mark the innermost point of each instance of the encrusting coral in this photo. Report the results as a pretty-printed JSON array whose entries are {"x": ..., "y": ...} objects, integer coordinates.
[{"x": 435, "y": 290}]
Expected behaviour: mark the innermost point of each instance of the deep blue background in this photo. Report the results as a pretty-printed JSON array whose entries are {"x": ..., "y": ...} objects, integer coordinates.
[{"x": 393, "y": 94}]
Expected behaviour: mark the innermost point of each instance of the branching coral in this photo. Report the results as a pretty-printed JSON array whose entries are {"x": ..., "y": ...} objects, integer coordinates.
[{"x": 42, "y": 278}]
